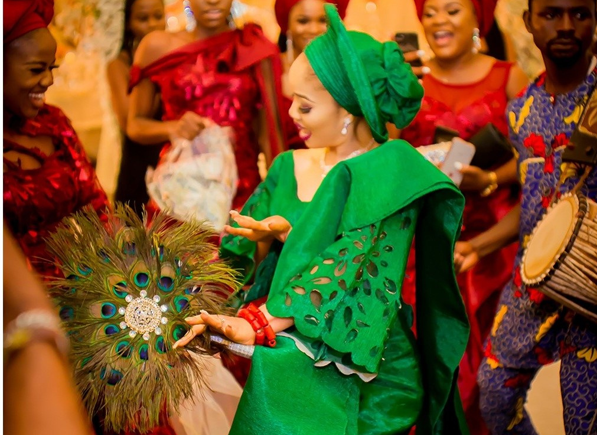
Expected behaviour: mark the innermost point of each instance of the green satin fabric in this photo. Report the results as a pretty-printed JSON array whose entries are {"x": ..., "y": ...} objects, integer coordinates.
[
  {"x": 415, "y": 381},
  {"x": 276, "y": 195},
  {"x": 285, "y": 394}
]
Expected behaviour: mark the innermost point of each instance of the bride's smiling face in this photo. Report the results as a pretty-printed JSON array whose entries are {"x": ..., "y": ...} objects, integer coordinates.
[{"x": 318, "y": 117}]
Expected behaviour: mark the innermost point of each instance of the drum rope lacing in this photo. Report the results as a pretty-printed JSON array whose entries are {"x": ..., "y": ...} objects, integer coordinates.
[{"x": 581, "y": 181}]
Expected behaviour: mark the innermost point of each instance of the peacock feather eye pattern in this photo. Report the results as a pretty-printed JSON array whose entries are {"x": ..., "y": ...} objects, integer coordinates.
[
  {"x": 66, "y": 313},
  {"x": 120, "y": 289},
  {"x": 108, "y": 310},
  {"x": 180, "y": 303},
  {"x": 144, "y": 352},
  {"x": 130, "y": 283}
]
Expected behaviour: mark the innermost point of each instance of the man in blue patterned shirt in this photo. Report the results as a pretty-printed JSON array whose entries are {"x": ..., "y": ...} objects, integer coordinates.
[{"x": 531, "y": 330}]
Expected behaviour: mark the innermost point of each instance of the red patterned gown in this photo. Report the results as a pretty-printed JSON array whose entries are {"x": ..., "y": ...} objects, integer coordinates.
[
  {"x": 227, "y": 78},
  {"x": 36, "y": 200},
  {"x": 466, "y": 109}
]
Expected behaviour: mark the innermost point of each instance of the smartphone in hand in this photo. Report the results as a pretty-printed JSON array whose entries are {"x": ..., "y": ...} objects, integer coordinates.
[
  {"x": 409, "y": 42},
  {"x": 460, "y": 152}
]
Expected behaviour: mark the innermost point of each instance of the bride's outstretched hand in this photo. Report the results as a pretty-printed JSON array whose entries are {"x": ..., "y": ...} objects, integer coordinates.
[
  {"x": 236, "y": 329},
  {"x": 273, "y": 227}
]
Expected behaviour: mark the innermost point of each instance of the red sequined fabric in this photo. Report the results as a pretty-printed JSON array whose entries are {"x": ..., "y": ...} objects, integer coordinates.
[
  {"x": 467, "y": 109},
  {"x": 36, "y": 200},
  {"x": 220, "y": 78}
]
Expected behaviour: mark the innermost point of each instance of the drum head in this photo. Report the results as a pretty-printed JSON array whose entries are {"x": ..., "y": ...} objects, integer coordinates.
[{"x": 549, "y": 239}]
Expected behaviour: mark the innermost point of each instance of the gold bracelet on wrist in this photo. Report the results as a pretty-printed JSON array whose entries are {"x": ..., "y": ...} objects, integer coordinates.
[
  {"x": 34, "y": 326},
  {"x": 493, "y": 185}
]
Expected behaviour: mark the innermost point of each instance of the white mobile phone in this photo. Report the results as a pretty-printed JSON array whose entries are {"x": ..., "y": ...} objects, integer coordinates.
[{"x": 460, "y": 152}]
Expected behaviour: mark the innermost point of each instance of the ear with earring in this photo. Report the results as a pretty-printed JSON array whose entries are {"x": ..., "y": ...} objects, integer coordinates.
[
  {"x": 188, "y": 12},
  {"x": 347, "y": 122},
  {"x": 289, "y": 48},
  {"x": 476, "y": 40}
]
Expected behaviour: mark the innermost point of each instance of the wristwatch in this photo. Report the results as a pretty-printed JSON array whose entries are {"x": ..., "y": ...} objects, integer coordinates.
[{"x": 34, "y": 326}]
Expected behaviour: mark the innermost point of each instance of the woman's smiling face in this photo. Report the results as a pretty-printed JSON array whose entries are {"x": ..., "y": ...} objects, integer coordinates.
[
  {"x": 449, "y": 26},
  {"x": 306, "y": 22},
  {"x": 28, "y": 65}
]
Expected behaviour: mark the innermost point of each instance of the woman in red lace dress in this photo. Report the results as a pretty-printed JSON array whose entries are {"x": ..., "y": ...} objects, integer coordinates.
[
  {"x": 464, "y": 91},
  {"x": 46, "y": 173},
  {"x": 231, "y": 76},
  {"x": 47, "y": 176}
]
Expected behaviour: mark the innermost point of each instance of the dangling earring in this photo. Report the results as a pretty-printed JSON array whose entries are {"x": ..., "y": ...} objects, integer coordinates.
[
  {"x": 476, "y": 40},
  {"x": 289, "y": 48},
  {"x": 191, "y": 23},
  {"x": 347, "y": 122}
]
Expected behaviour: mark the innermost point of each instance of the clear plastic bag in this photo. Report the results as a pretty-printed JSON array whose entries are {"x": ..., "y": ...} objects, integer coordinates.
[{"x": 197, "y": 179}]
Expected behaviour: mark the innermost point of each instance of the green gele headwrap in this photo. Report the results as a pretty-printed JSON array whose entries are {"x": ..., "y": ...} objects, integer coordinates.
[{"x": 366, "y": 77}]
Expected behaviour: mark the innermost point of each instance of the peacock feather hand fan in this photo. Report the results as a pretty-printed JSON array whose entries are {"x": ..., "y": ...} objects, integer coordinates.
[{"x": 129, "y": 284}]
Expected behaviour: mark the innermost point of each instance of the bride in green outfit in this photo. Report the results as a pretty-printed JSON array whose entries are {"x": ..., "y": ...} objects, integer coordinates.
[{"x": 325, "y": 240}]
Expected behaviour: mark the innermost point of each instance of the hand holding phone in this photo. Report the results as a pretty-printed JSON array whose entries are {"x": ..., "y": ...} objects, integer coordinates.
[
  {"x": 461, "y": 154},
  {"x": 409, "y": 44}
]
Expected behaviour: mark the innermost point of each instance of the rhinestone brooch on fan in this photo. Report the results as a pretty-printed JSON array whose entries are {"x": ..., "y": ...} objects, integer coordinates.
[{"x": 143, "y": 315}]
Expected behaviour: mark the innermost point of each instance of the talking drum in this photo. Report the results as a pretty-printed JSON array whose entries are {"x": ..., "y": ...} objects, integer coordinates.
[{"x": 560, "y": 259}]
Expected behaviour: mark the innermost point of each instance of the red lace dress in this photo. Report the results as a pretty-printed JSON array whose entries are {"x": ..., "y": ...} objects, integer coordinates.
[
  {"x": 467, "y": 109},
  {"x": 36, "y": 200},
  {"x": 227, "y": 78}
]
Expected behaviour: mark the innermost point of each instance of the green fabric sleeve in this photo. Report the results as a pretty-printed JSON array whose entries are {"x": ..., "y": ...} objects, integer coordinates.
[
  {"x": 350, "y": 293},
  {"x": 442, "y": 325},
  {"x": 239, "y": 251}
]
